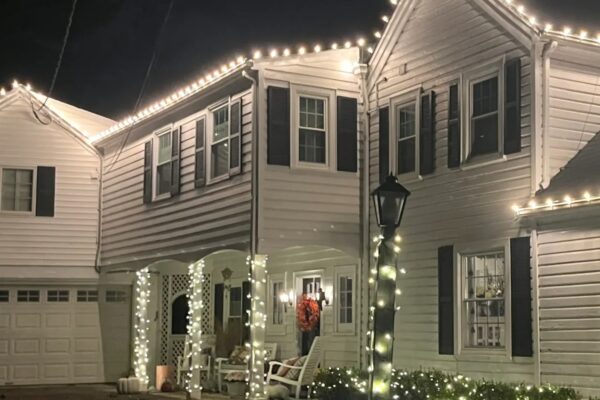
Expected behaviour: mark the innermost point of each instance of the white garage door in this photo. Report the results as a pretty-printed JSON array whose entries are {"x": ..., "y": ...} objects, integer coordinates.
[{"x": 51, "y": 335}]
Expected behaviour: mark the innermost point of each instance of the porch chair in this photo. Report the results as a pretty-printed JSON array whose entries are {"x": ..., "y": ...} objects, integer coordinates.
[
  {"x": 223, "y": 367},
  {"x": 307, "y": 370},
  {"x": 184, "y": 362}
]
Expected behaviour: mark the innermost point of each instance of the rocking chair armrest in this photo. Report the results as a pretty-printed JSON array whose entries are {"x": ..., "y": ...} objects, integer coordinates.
[
  {"x": 220, "y": 360},
  {"x": 271, "y": 363}
]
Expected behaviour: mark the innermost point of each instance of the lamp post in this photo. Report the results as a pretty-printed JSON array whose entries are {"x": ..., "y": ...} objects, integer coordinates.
[{"x": 389, "y": 201}]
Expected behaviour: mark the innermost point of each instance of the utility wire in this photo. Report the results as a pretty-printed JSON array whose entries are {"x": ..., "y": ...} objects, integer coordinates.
[
  {"x": 60, "y": 55},
  {"x": 144, "y": 84}
]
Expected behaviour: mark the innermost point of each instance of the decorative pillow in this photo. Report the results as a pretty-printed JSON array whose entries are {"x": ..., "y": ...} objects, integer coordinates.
[
  {"x": 239, "y": 355},
  {"x": 236, "y": 377},
  {"x": 283, "y": 370},
  {"x": 295, "y": 373}
]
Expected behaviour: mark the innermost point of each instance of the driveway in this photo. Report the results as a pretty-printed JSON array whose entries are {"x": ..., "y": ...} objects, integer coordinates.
[{"x": 86, "y": 392}]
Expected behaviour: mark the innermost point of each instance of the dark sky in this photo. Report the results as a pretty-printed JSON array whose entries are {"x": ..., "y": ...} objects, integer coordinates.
[{"x": 112, "y": 41}]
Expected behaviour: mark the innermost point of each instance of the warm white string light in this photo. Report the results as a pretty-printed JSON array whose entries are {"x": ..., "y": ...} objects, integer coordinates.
[
  {"x": 567, "y": 201},
  {"x": 194, "y": 328},
  {"x": 141, "y": 327},
  {"x": 257, "y": 321}
]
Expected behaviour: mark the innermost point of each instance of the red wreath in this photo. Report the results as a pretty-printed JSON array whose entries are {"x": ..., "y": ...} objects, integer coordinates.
[{"x": 307, "y": 314}]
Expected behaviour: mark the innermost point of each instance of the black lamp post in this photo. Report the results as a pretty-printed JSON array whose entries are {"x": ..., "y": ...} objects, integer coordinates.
[{"x": 389, "y": 200}]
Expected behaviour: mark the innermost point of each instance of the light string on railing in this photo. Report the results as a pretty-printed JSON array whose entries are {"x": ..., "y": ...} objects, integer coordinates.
[
  {"x": 141, "y": 326},
  {"x": 194, "y": 328},
  {"x": 568, "y": 201}
]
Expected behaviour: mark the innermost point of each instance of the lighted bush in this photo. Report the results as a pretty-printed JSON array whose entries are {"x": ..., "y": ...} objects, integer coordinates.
[{"x": 336, "y": 383}]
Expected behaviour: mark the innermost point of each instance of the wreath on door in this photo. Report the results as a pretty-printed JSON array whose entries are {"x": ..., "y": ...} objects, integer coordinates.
[{"x": 307, "y": 314}]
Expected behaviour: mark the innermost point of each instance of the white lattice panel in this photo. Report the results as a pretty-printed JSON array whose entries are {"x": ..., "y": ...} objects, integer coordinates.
[{"x": 207, "y": 315}]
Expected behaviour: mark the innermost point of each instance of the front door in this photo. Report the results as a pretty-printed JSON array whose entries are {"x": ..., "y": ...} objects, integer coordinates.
[{"x": 310, "y": 286}]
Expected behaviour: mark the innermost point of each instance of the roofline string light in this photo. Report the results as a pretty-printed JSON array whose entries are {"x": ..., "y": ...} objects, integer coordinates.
[
  {"x": 567, "y": 201},
  {"x": 548, "y": 28}
]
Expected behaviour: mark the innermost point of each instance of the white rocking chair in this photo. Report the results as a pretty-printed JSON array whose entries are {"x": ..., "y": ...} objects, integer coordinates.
[
  {"x": 307, "y": 371},
  {"x": 184, "y": 362},
  {"x": 222, "y": 366}
]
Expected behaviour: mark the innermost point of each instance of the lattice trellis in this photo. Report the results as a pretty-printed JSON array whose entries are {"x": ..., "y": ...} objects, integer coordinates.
[
  {"x": 207, "y": 315},
  {"x": 164, "y": 321}
]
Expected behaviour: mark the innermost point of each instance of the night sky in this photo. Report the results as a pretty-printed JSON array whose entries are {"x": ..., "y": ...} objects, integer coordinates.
[{"x": 111, "y": 41}]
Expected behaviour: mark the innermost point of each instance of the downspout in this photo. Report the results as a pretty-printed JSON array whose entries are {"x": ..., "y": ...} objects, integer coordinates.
[
  {"x": 547, "y": 51},
  {"x": 99, "y": 232},
  {"x": 255, "y": 148},
  {"x": 536, "y": 309}
]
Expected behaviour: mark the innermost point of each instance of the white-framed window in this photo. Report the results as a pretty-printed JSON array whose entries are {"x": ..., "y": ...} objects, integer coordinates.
[
  {"x": 344, "y": 300},
  {"x": 276, "y": 314},
  {"x": 87, "y": 296},
  {"x": 115, "y": 296},
  {"x": 57, "y": 296},
  {"x": 484, "y": 277},
  {"x": 313, "y": 123},
  {"x": 17, "y": 189},
  {"x": 4, "y": 296},
  {"x": 484, "y": 112},
  {"x": 28, "y": 296},
  {"x": 404, "y": 139},
  {"x": 235, "y": 302},
  {"x": 223, "y": 136},
  {"x": 163, "y": 148},
  {"x": 312, "y": 134}
]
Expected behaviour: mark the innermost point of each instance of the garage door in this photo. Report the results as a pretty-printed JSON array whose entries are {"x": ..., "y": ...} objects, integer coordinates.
[{"x": 52, "y": 335}]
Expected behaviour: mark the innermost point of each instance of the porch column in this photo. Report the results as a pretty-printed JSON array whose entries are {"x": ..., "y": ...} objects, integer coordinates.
[
  {"x": 258, "y": 318},
  {"x": 141, "y": 326},
  {"x": 196, "y": 272}
]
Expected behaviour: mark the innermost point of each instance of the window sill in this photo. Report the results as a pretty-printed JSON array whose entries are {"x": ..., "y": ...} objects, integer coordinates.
[
  {"x": 218, "y": 179},
  {"x": 483, "y": 161},
  {"x": 410, "y": 177},
  {"x": 17, "y": 213},
  {"x": 471, "y": 353},
  {"x": 162, "y": 197}
]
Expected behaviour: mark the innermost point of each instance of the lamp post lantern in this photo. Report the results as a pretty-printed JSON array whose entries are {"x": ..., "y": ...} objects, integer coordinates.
[{"x": 389, "y": 200}]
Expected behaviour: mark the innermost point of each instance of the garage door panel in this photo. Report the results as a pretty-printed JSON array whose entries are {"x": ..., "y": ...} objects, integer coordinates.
[
  {"x": 26, "y": 372},
  {"x": 30, "y": 320},
  {"x": 56, "y": 371},
  {"x": 26, "y": 346},
  {"x": 57, "y": 346},
  {"x": 86, "y": 345},
  {"x": 58, "y": 320},
  {"x": 87, "y": 320},
  {"x": 85, "y": 370},
  {"x": 3, "y": 346},
  {"x": 3, "y": 372},
  {"x": 4, "y": 321}
]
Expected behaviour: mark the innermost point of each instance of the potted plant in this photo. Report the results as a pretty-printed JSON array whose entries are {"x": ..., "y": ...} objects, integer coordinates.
[{"x": 236, "y": 384}]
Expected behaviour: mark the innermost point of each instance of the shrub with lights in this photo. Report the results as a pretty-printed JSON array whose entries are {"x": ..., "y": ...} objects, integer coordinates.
[{"x": 352, "y": 384}]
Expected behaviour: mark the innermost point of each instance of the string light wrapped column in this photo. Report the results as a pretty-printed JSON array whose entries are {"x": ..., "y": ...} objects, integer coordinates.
[
  {"x": 258, "y": 318},
  {"x": 196, "y": 272},
  {"x": 141, "y": 358}
]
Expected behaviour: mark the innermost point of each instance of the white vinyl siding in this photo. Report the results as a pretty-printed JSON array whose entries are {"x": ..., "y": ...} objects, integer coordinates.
[{"x": 17, "y": 189}]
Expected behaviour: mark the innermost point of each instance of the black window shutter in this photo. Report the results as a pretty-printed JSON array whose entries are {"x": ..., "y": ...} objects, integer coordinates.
[
  {"x": 347, "y": 109},
  {"x": 175, "y": 161},
  {"x": 235, "y": 134},
  {"x": 246, "y": 305},
  {"x": 218, "y": 309},
  {"x": 384, "y": 143},
  {"x": 453, "y": 127},
  {"x": 278, "y": 126},
  {"x": 148, "y": 172},
  {"x": 200, "y": 168},
  {"x": 45, "y": 189},
  {"x": 446, "y": 300},
  {"x": 512, "y": 107},
  {"x": 520, "y": 289},
  {"x": 427, "y": 134}
]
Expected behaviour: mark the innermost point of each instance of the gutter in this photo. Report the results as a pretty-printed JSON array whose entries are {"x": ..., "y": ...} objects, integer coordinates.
[
  {"x": 255, "y": 148},
  {"x": 99, "y": 237},
  {"x": 547, "y": 51}
]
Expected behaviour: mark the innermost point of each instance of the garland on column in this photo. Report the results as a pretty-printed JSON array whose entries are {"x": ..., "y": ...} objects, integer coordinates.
[
  {"x": 194, "y": 328},
  {"x": 257, "y": 275},
  {"x": 141, "y": 324}
]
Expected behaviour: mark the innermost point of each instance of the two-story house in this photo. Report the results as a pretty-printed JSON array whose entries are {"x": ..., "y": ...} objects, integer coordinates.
[
  {"x": 474, "y": 106},
  {"x": 259, "y": 158},
  {"x": 53, "y": 317}
]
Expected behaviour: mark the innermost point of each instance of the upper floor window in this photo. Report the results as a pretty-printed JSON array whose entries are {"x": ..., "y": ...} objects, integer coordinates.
[
  {"x": 225, "y": 140},
  {"x": 164, "y": 150},
  {"x": 407, "y": 137},
  {"x": 484, "y": 279},
  {"x": 312, "y": 139},
  {"x": 17, "y": 190},
  {"x": 484, "y": 121}
]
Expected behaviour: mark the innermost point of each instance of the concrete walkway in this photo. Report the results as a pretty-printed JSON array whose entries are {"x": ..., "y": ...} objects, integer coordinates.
[{"x": 88, "y": 392}]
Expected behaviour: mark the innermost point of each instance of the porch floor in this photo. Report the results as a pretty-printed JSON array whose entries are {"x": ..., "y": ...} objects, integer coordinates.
[{"x": 88, "y": 392}]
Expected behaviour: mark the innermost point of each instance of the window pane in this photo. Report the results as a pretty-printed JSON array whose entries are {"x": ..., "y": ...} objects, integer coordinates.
[
  {"x": 485, "y": 135},
  {"x": 406, "y": 155},
  {"x": 4, "y": 296},
  {"x": 220, "y": 159},
  {"x": 235, "y": 302},
  {"x": 312, "y": 146},
  {"x": 17, "y": 189},
  {"x": 312, "y": 113},
  {"x": 485, "y": 97},
  {"x": 406, "y": 121},
  {"x": 221, "y": 123},
  {"x": 163, "y": 179},
  {"x": 164, "y": 148}
]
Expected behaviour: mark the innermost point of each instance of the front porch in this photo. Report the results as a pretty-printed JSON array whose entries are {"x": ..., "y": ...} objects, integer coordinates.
[{"x": 229, "y": 304}]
